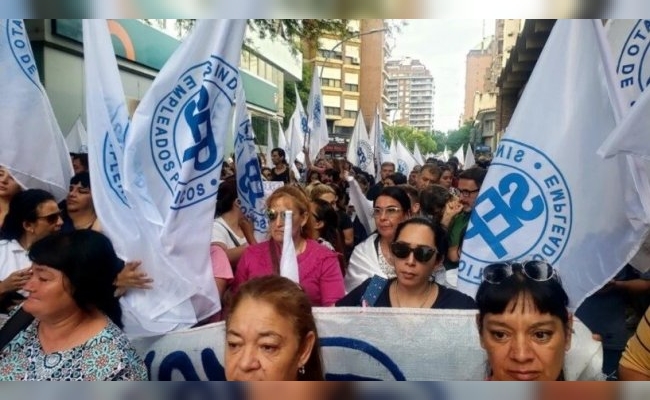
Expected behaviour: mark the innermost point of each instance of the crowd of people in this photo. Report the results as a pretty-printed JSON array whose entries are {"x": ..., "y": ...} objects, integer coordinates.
[{"x": 60, "y": 279}]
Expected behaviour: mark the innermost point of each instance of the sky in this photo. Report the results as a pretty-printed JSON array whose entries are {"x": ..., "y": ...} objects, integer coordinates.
[{"x": 442, "y": 46}]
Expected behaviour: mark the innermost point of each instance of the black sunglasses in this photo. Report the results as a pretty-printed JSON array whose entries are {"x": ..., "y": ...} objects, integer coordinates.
[
  {"x": 537, "y": 270},
  {"x": 51, "y": 218},
  {"x": 420, "y": 253}
]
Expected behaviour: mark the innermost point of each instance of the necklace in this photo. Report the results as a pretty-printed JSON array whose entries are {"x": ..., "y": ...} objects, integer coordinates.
[{"x": 426, "y": 295}]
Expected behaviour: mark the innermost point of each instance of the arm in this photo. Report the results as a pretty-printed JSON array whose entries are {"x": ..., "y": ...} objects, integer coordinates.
[
  {"x": 636, "y": 286},
  {"x": 348, "y": 237},
  {"x": 15, "y": 281},
  {"x": 627, "y": 374}
]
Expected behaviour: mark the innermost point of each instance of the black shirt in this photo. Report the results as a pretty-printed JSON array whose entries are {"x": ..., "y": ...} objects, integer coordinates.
[{"x": 447, "y": 298}]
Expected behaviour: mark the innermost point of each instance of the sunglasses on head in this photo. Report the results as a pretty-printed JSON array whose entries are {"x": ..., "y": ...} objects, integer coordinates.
[
  {"x": 51, "y": 218},
  {"x": 537, "y": 270},
  {"x": 420, "y": 253}
]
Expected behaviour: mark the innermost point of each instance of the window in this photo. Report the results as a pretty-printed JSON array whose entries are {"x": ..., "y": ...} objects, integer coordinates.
[
  {"x": 331, "y": 82},
  {"x": 331, "y": 55},
  {"x": 253, "y": 64},
  {"x": 245, "y": 59},
  {"x": 351, "y": 88},
  {"x": 333, "y": 110},
  {"x": 350, "y": 114}
]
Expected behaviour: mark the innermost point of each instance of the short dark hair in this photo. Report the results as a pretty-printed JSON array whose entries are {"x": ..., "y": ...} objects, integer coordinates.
[
  {"x": 82, "y": 178},
  {"x": 549, "y": 297},
  {"x": 280, "y": 152},
  {"x": 226, "y": 196},
  {"x": 433, "y": 169},
  {"x": 439, "y": 234},
  {"x": 82, "y": 157},
  {"x": 433, "y": 199},
  {"x": 476, "y": 174},
  {"x": 386, "y": 163},
  {"x": 88, "y": 260},
  {"x": 397, "y": 193},
  {"x": 23, "y": 208}
]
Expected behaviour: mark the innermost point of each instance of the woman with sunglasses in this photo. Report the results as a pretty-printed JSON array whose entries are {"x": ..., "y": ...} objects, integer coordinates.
[
  {"x": 418, "y": 250},
  {"x": 319, "y": 270},
  {"x": 373, "y": 256},
  {"x": 33, "y": 214},
  {"x": 523, "y": 321}
]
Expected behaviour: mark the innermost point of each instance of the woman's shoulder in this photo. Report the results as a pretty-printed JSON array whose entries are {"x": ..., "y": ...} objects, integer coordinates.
[
  {"x": 449, "y": 298},
  {"x": 112, "y": 344}
]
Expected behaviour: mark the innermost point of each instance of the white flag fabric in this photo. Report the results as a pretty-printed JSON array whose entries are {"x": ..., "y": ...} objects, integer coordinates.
[
  {"x": 269, "y": 145},
  {"x": 460, "y": 156},
  {"x": 381, "y": 145},
  {"x": 34, "y": 149},
  {"x": 536, "y": 201},
  {"x": 360, "y": 149},
  {"x": 469, "y": 157},
  {"x": 282, "y": 141},
  {"x": 289, "y": 259},
  {"x": 445, "y": 155},
  {"x": 393, "y": 154},
  {"x": 298, "y": 124},
  {"x": 417, "y": 155},
  {"x": 362, "y": 206},
  {"x": 173, "y": 158},
  {"x": 250, "y": 190},
  {"x": 405, "y": 160},
  {"x": 77, "y": 138},
  {"x": 318, "y": 135}
]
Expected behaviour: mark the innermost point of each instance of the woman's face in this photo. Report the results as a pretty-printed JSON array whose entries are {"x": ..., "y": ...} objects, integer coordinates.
[
  {"x": 8, "y": 186},
  {"x": 48, "y": 220},
  {"x": 262, "y": 345},
  {"x": 388, "y": 182},
  {"x": 446, "y": 179},
  {"x": 524, "y": 345},
  {"x": 279, "y": 205},
  {"x": 79, "y": 198},
  {"x": 388, "y": 214},
  {"x": 411, "y": 272},
  {"x": 48, "y": 293}
]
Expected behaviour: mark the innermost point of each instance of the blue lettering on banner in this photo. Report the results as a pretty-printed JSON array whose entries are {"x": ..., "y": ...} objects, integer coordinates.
[
  {"x": 633, "y": 68},
  {"x": 526, "y": 214},
  {"x": 316, "y": 114},
  {"x": 364, "y": 152},
  {"x": 402, "y": 167},
  {"x": 250, "y": 189},
  {"x": 184, "y": 132},
  {"x": 22, "y": 50}
]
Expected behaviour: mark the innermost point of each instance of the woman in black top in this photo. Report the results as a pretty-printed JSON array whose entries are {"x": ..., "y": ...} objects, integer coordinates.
[
  {"x": 418, "y": 248},
  {"x": 280, "y": 173}
]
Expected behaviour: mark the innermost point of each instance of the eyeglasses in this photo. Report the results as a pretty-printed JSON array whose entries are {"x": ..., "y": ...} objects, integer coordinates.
[
  {"x": 421, "y": 253},
  {"x": 537, "y": 270},
  {"x": 273, "y": 215},
  {"x": 390, "y": 211},
  {"x": 466, "y": 193},
  {"x": 51, "y": 218}
]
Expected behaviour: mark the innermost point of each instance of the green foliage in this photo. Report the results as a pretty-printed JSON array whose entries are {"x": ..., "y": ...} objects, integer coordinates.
[
  {"x": 409, "y": 136},
  {"x": 459, "y": 137},
  {"x": 304, "y": 87}
]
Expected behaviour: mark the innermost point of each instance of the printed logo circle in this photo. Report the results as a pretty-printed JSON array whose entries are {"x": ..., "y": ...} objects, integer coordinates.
[
  {"x": 527, "y": 213},
  {"x": 633, "y": 64}
]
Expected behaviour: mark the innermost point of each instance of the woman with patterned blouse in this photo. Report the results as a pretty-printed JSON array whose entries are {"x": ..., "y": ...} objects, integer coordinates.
[{"x": 75, "y": 334}]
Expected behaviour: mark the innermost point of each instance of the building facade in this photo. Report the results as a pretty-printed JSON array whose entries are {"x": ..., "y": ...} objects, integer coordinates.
[
  {"x": 477, "y": 64},
  {"x": 410, "y": 90},
  {"x": 374, "y": 77}
]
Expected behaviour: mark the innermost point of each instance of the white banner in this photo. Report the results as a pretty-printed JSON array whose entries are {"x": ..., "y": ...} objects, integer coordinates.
[
  {"x": 250, "y": 190},
  {"x": 547, "y": 195},
  {"x": 173, "y": 158},
  {"x": 469, "y": 157},
  {"x": 417, "y": 155},
  {"x": 34, "y": 149},
  {"x": 381, "y": 146},
  {"x": 367, "y": 344}
]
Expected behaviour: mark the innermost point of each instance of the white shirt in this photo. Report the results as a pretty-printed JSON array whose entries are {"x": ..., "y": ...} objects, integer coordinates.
[
  {"x": 222, "y": 233},
  {"x": 12, "y": 258}
]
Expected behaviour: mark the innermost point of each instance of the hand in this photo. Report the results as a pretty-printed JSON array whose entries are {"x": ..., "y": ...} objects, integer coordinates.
[
  {"x": 131, "y": 277},
  {"x": 249, "y": 230},
  {"x": 16, "y": 280},
  {"x": 453, "y": 208}
]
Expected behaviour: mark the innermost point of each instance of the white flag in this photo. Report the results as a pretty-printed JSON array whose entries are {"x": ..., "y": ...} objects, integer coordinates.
[
  {"x": 460, "y": 156},
  {"x": 173, "y": 158},
  {"x": 393, "y": 154},
  {"x": 359, "y": 149},
  {"x": 537, "y": 201},
  {"x": 34, "y": 149},
  {"x": 298, "y": 124},
  {"x": 318, "y": 136},
  {"x": 77, "y": 138},
  {"x": 250, "y": 190},
  {"x": 289, "y": 259},
  {"x": 445, "y": 154},
  {"x": 417, "y": 155},
  {"x": 269, "y": 144},
  {"x": 282, "y": 141},
  {"x": 405, "y": 160},
  {"x": 381, "y": 145},
  {"x": 469, "y": 157}
]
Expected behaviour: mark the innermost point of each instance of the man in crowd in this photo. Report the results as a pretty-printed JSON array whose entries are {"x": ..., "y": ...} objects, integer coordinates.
[
  {"x": 387, "y": 168},
  {"x": 429, "y": 175}
]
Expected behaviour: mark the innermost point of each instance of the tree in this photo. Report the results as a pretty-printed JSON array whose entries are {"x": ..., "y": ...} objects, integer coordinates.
[
  {"x": 459, "y": 137},
  {"x": 303, "y": 86},
  {"x": 409, "y": 136}
]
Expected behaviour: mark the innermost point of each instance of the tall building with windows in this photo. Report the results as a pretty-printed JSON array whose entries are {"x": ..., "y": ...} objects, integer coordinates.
[{"x": 410, "y": 90}]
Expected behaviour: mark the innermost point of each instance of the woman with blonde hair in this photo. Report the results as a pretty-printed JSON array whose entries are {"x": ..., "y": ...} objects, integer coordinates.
[{"x": 319, "y": 270}]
